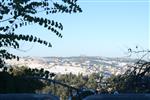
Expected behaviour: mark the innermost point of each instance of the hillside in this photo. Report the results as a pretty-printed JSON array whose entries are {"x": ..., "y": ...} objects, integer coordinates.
[{"x": 76, "y": 65}]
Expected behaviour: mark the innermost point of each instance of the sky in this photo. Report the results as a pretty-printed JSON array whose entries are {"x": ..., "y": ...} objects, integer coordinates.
[{"x": 104, "y": 28}]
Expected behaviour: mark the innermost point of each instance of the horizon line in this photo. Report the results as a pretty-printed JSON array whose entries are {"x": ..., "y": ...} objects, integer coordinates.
[{"x": 80, "y": 56}]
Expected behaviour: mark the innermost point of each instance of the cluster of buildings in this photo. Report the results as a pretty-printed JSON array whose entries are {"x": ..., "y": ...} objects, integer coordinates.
[{"x": 76, "y": 65}]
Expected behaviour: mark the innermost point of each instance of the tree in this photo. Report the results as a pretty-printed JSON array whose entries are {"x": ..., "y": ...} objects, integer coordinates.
[
  {"x": 19, "y": 79},
  {"x": 136, "y": 79},
  {"x": 20, "y": 13}
]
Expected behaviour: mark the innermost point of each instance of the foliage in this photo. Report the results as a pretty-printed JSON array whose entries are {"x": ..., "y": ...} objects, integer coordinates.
[
  {"x": 15, "y": 80},
  {"x": 19, "y": 13},
  {"x": 135, "y": 80},
  {"x": 19, "y": 80},
  {"x": 78, "y": 81}
]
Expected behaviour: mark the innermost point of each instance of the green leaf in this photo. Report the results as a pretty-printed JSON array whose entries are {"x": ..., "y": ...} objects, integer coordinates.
[
  {"x": 1, "y": 17},
  {"x": 16, "y": 26},
  {"x": 1, "y": 28},
  {"x": 11, "y": 21}
]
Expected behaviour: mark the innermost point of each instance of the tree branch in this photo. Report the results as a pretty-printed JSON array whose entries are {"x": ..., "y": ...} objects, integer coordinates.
[{"x": 6, "y": 20}]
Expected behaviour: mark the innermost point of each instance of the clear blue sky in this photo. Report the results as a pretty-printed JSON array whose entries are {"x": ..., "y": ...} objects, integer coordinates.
[{"x": 105, "y": 28}]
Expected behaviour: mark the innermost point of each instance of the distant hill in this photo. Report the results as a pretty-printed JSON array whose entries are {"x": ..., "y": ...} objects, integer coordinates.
[{"x": 85, "y": 65}]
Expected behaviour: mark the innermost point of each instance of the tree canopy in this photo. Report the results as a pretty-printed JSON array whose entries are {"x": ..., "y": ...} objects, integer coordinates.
[{"x": 19, "y": 13}]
